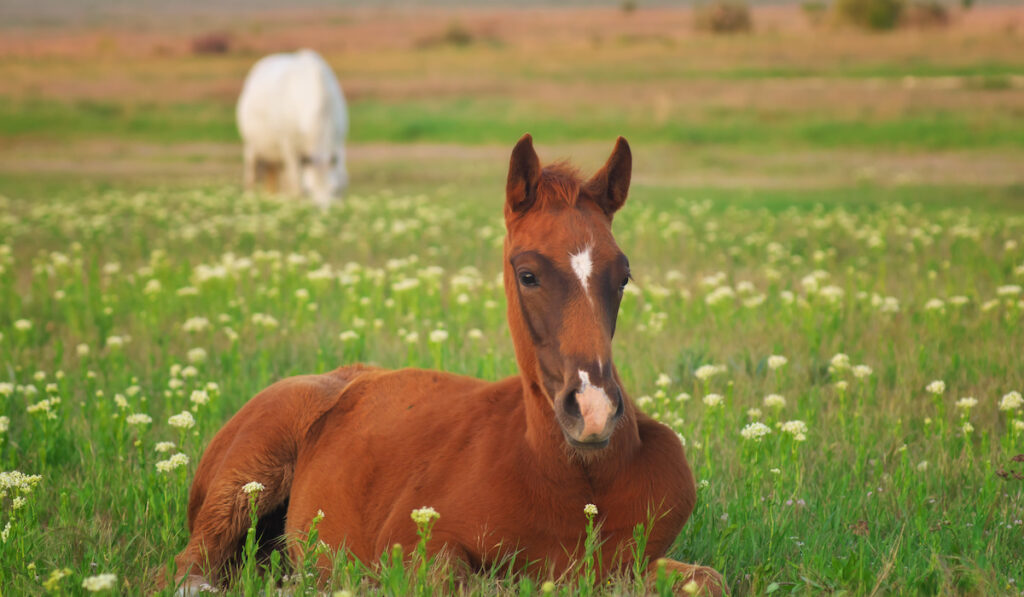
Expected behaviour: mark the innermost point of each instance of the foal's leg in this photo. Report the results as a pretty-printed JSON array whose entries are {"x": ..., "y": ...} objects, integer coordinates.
[
  {"x": 260, "y": 444},
  {"x": 251, "y": 450},
  {"x": 709, "y": 582}
]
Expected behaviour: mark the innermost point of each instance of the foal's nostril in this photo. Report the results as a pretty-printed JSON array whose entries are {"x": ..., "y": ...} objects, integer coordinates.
[{"x": 572, "y": 406}]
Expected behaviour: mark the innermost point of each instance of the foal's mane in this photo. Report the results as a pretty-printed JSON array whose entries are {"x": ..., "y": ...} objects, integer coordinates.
[{"x": 559, "y": 185}]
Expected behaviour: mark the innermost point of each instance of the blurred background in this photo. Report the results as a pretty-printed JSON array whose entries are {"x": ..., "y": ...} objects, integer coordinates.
[
  {"x": 840, "y": 183},
  {"x": 825, "y": 101}
]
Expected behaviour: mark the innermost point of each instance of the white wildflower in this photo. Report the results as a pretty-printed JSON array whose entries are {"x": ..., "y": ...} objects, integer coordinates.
[
  {"x": 712, "y": 400},
  {"x": 423, "y": 516},
  {"x": 755, "y": 431},
  {"x": 936, "y": 387},
  {"x": 253, "y": 487},
  {"x": 199, "y": 397},
  {"x": 966, "y": 403},
  {"x": 1011, "y": 401},
  {"x": 706, "y": 372},
  {"x": 839, "y": 362},
  {"x": 196, "y": 355},
  {"x": 100, "y": 582},
  {"x": 776, "y": 362},
  {"x": 182, "y": 420},
  {"x": 162, "y": 447},
  {"x": 862, "y": 371},
  {"x": 175, "y": 461},
  {"x": 196, "y": 324},
  {"x": 798, "y": 429},
  {"x": 719, "y": 294},
  {"x": 138, "y": 419}
]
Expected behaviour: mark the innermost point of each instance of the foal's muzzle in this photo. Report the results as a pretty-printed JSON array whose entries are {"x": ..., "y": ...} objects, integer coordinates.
[{"x": 588, "y": 413}]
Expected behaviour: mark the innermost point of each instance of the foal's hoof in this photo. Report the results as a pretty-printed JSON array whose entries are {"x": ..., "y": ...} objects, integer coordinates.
[
  {"x": 708, "y": 582},
  {"x": 193, "y": 585},
  {"x": 695, "y": 580}
]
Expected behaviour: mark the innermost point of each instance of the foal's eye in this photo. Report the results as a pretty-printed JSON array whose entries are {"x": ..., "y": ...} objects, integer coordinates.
[
  {"x": 625, "y": 281},
  {"x": 528, "y": 279}
]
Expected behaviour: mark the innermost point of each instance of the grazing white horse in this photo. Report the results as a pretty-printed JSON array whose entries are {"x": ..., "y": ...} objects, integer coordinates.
[{"x": 292, "y": 117}]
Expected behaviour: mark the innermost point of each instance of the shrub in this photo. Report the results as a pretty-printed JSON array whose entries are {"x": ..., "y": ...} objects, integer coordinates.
[
  {"x": 870, "y": 14},
  {"x": 211, "y": 43},
  {"x": 455, "y": 34},
  {"x": 723, "y": 16},
  {"x": 814, "y": 10},
  {"x": 925, "y": 13}
]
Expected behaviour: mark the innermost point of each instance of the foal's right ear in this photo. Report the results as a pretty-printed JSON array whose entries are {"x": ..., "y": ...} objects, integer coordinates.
[{"x": 523, "y": 176}]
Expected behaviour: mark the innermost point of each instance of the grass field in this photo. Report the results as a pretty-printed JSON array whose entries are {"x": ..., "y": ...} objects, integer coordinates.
[{"x": 799, "y": 192}]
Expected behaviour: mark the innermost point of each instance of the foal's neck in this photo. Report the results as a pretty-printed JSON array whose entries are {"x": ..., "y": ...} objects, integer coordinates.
[{"x": 552, "y": 451}]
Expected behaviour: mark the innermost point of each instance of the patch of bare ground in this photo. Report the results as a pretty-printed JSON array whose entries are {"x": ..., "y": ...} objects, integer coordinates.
[
  {"x": 656, "y": 165},
  {"x": 558, "y": 57},
  {"x": 354, "y": 29}
]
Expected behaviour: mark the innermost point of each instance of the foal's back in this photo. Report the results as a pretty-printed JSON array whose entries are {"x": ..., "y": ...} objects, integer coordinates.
[{"x": 401, "y": 440}]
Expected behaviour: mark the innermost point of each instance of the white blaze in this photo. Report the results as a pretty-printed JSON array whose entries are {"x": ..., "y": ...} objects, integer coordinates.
[{"x": 582, "y": 266}]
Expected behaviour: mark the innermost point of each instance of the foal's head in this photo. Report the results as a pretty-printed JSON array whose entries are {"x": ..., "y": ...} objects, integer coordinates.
[{"x": 564, "y": 278}]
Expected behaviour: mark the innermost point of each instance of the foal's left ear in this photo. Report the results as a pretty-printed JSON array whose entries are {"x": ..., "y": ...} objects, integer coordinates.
[{"x": 610, "y": 185}]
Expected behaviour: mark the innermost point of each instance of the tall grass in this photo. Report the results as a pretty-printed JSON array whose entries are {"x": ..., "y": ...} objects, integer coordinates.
[{"x": 134, "y": 324}]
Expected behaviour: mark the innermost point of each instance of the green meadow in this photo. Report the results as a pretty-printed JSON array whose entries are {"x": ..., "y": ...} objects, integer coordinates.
[
  {"x": 828, "y": 256},
  {"x": 495, "y": 120}
]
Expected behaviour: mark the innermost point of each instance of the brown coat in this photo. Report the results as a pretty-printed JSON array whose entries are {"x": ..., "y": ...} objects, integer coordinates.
[{"x": 509, "y": 465}]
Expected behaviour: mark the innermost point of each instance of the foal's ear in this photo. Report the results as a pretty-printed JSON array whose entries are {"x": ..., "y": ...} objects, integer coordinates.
[
  {"x": 523, "y": 176},
  {"x": 610, "y": 185}
]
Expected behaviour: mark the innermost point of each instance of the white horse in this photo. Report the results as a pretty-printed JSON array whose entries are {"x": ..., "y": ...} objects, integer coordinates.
[{"x": 292, "y": 117}]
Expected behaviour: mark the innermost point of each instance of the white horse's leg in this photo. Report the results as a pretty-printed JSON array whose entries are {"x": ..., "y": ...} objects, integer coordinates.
[
  {"x": 292, "y": 184},
  {"x": 249, "y": 165}
]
